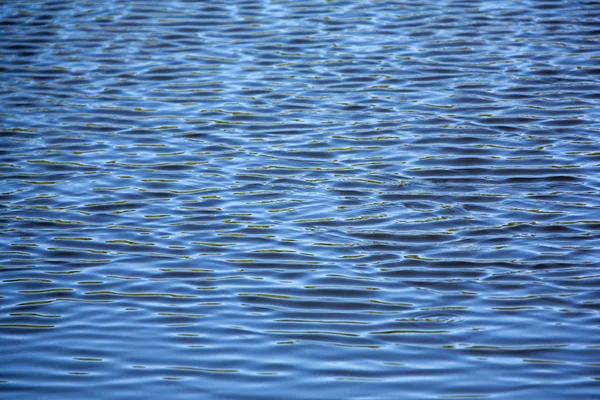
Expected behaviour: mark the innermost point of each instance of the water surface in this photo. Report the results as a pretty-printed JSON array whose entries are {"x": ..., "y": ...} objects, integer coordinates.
[{"x": 299, "y": 199}]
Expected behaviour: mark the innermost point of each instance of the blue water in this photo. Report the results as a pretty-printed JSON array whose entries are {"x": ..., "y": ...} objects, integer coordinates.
[{"x": 273, "y": 199}]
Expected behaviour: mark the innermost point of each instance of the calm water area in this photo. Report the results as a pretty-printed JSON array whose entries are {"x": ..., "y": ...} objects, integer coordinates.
[{"x": 288, "y": 199}]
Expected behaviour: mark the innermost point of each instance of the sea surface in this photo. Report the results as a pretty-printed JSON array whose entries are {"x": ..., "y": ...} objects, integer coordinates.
[{"x": 280, "y": 199}]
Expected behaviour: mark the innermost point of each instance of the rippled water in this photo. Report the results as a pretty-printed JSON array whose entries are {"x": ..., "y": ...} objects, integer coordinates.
[{"x": 300, "y": 199}]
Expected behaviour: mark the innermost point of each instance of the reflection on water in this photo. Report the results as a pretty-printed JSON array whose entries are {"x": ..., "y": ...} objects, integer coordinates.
[{"x": 300, "y": 199}]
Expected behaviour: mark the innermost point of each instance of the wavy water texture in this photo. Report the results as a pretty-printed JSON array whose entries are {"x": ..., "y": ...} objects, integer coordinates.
[{"x": 269, "y": 199}]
